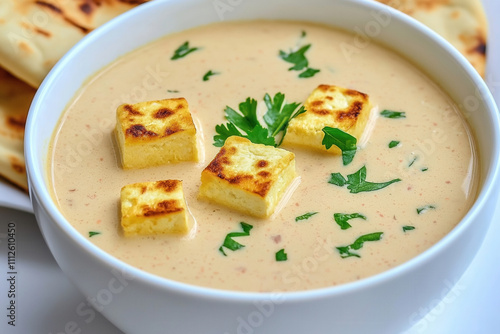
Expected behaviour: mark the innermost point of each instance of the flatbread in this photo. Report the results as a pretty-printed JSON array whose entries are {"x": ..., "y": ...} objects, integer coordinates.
[
  {"x": 35, "y": 34},
  {"x": 462, "y": 22},
  {"x": 15, "y": 99}
]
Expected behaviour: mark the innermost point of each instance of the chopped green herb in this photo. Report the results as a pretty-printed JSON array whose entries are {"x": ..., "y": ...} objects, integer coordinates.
[
  {"x": 394, "y": 143},
  {"x": 172, "y": 91},
  {"x": 342, "y": 219},
  {"x": 281, "y": 255},
  {"x": 408, "y": 228},
  {"x": 303, "y": 34},
  {"x": 305, "y": 216},
  {"x": 183, "y": 51},
  {"x": 310, "y": 72},
  {"x": 357, "y": 183},
  {"x": 277, "y": 117},
  {"x": 344, "y": 141},
  {"x": 345, "y": 251},
  {"x": 424, "y": 169},
  {"x": 425, "y": 208},
  {"x": 230, "y": 244},
  {"x": 207, "y": 75},
  {"x": 412, "y": 161},
  {"x": 92, "y": 233},
  {"x": 337, "y": 179},
  {"x": 393, "y": 114},
  {"x": 299, "y": 60}
]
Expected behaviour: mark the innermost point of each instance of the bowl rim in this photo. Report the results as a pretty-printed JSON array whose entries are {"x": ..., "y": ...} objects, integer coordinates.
[{"x": 39, "y": 193}]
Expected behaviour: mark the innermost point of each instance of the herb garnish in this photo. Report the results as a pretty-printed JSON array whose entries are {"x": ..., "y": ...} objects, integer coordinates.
[
  {"x": 183, "y": 51},
  {"x": 277, "y": 117},
  {"x": 299, "y": 60},
  {"x": 412, "y": 161},
  {"x": 342, "y": 219},
  {"x": 345, "y": 251},
  {"x": 209, "y": 74},
  {"x": 424, "y": 169},
  {"x": 305, "y": 216},
  {"x": 230, "y": 244},
  {"x": 394, "y": 143},
  {"x": 425, "y": 208},
  {"x": 344, "y": 141},
  {"x": 281, "y": 255},
  {"x": 393, "y": 114},
  {"x": 357, "y": 183},
  {"x": 172, "y": 91},
  {"x": 408, "y": 228},
  {"x": 92, "y": 233}
]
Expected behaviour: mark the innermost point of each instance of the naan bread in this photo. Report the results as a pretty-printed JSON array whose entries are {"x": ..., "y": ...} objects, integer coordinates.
[
  {"x": 462, "y": 22},
  {"x": 35, "y": 34},
  {"x": 15, "y": 99}
]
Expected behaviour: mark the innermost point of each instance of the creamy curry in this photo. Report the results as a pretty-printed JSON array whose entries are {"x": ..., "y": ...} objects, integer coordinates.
[{"x": 430, "y": 150}]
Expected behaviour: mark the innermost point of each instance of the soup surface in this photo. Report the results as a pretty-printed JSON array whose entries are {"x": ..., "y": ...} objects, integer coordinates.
[{"x": 433, "y": 155}]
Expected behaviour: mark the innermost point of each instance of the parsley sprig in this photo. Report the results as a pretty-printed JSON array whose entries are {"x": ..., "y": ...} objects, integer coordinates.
[
  {"x": 345, "y": 251},
  {"x": 230, "y": 244},
  {"x": 357, "y": 183},
  {"x": 245, "y": 123},
  {"x": 299, "y": 60},
  {"x": 344, "y": 141}
]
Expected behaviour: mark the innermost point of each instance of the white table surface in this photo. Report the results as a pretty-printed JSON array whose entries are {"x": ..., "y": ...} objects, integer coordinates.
[{"x": 47, "y": 302}]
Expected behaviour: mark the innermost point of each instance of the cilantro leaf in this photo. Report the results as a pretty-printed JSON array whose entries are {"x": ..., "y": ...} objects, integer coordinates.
[
  {"x": 93, "y": 233},
  {"x": 356, "y": 182},
  {"x": 393, "y": 143},
  {"x": 183, "y": 51},
  {"x": 345, "y": 251},
  {"x": 279, "y": 114},
  {"x": 281, "y": 255},
  {"x": 408, "y": 228},
  {"x": 207, "y": 75},
  {"x": 425, "y": 208},
  {"x": 299, "y": 60},
  {"x": 342, "y": 219},
  {"x": 392, "y": 114},
  {"x": 359, "y": 242},
  {"x": 337, "y": 179},
  {"x": 305, "y": 216},
  {"x": 344, "y": 141},
  {"x": 276, "y": 119},
  {"x": 230, "y": 244}
]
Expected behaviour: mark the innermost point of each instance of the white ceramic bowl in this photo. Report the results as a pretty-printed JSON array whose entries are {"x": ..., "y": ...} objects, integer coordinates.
[{"x": 138, "y": 302}]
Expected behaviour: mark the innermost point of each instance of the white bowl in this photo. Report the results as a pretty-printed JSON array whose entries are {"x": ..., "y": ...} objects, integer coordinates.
[{"x": 138, "y": 302}]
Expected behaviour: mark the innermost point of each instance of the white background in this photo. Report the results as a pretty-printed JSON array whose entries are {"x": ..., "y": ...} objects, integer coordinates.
[{"x": 46, "y": 301}]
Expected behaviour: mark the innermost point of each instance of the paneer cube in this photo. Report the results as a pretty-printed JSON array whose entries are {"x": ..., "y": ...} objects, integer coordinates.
[
  {"x": 151, "y": 208},
  {"x": 247, "y": 177},
  {"x": 154, "y": 133},
  {"x": 331, "y": 106}
]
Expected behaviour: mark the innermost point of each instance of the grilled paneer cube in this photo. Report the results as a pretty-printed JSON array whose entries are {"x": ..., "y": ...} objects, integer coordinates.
[
  {"x": 151, "y": 208},
  {"x": 331, "y": 106},
  {"x": 251, "y": 178},
  {"x": 154, "y": 133}
]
